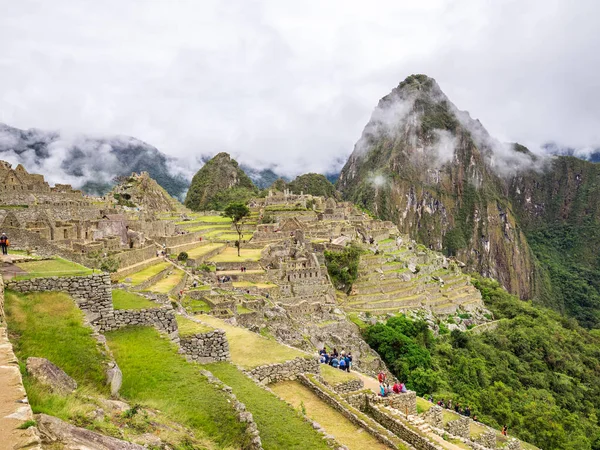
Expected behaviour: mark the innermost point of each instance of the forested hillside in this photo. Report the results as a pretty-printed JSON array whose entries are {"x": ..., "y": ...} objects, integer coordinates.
[{"x": 537, "y": 372}]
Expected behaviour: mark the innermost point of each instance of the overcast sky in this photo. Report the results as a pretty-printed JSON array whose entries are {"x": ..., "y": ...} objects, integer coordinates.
[{"x": 293, "y": 83}]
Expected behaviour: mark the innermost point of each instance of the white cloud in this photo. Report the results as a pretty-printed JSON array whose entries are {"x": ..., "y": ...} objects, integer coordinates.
[{"x": 293, "y": 84}]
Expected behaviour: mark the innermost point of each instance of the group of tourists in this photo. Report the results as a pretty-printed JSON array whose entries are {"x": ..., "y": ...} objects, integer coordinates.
[
  {"x": 224, "y": 279},
  {"x": 384, "y": 386},
  {"x": 243, "y": 269},
  {"x": 336, "y": 360}
]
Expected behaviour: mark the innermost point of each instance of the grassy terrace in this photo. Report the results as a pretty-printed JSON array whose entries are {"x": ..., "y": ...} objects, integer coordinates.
[
  {"x": 145, "y": 274},
  {"x": 348, "y": 434},
  {"x": 165, "y": 285},
  {"x": 335, "y": 376},
  {"x": 195, "y": 306},
  {"x": 49, "y": 325},
  {"x": 205, "y": 219},
  {"x": 155, "y": 375},
  {"x": 202, "y": 250},
  {"x": 57, "y": 267},
  {"x": 248, "y": 284},
  {"x": 249, "y": 349},
  {"x": 230, "y": 255},
  {"x": 128, "y": 300},
  {"x": 188, "y": 327},
  {"x": 280, "y": 426}
]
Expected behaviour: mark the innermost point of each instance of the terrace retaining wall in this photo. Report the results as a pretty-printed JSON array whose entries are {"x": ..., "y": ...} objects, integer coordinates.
[
  {"x": 206, "y": 347},
  {"x": 289, "y": 370}
]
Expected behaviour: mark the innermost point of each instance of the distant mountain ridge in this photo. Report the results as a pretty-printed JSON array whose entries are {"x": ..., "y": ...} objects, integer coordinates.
[{"x": 89, "y": 163}]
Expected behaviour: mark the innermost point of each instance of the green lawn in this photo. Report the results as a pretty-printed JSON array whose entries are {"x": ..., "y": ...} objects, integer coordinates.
[
  {"x": 123, "y": 299},
  {"x": 49, "y": 325},
  {"x": 202, "y": 250},
  {"x": 147, "y": 273},
  {"x": 165, "y": 285},
  {"x": 247, "y": 284},
  {"x": 52, "y": 267},
  {"x": 423, "y": 405},
  {"x": 155, "y": 375},
  {"x": 195, "y": 306},
  {"x": 345, "y": 432},
  {"x": 280, "y": 426},
  {"x": 208, "y": 219},
  {"x": 335, "y": 376},
  {"x": 249, "y": 349},
  {"x": 188, "y": 327},
  {"x": 230, "y": 255}
]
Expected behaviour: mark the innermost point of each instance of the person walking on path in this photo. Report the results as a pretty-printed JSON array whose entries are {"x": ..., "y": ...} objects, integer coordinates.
[{"x": 4, "y": 243}]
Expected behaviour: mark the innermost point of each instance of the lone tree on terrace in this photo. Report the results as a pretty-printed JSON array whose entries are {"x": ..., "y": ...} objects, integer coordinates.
[{"x": 237, "y": 212}]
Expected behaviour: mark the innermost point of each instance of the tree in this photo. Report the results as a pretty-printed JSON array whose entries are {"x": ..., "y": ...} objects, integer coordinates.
[{"x": 237, "y": 212}]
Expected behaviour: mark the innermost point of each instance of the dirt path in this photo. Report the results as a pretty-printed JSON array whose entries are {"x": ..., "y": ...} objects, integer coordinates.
[
  {"x": 12, "y": 412},
  {"x": 370, "y": 382}
]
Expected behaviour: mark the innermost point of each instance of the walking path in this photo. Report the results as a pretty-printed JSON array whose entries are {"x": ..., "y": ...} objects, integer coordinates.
[{"x": 12, "y": 411}]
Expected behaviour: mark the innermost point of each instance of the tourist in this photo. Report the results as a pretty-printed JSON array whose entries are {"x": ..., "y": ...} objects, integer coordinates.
[
  {"x": 342, "y": 363},
  {"x": 449, "y": 404},
  {"x": 195, "y": 284},
  {"x": 4, "y": 243},
  {"x": 403, "y": 388},
  {"x": 468, "y": 411},
  {"x": 323, "y": 359},
  {"x": 504, "y": 430},
  {"x": 381, "y": 377},
  {"x": 323, "y": 350},
  {"x": 457, "y": 407},
  {"x": 382, "y": 389},
  {"x": 335, "y": 353},
  {"x": 475, "y": 418},
  {"x": 430, "y": 398},
  {"x": 335, "y": 362},
  {"x": 349, "y": 361},
  {"x": 396, "y": 388}
]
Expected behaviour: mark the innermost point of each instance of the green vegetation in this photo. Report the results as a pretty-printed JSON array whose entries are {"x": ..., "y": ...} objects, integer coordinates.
[
  {"x": 203, "y": 250},
  {"x": 335, "y": 376},
  {"x": 183, "y": 257},
  {"x": 49, "y": 325},
  {"x": 155, "y": 375},
  {"x": 342, "y": 267},
  {"x": 237, "y": 212},
  {"x": 168, "y": 283},
  {"x": 219, "y": 182},
  {"x": 194, "y": 306},
  {"x": 128, "y": 300},
  {"x": 332, "y": 421},
  {"x": 280, "y": 426},
  {"x": 147, "y": 273},
  {"x": 57, "y": 267},
  {"x": 537, "y": 371},
  {"x": 249, "y": 349},
  {"x": 230, "y": 254},
  {"x": 313, "y": 184},
  {"x": 188, "y": 327}
]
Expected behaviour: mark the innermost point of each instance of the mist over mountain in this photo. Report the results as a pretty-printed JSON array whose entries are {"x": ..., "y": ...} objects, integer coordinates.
[
  {"x": 586, "y": 153},
  {"x": 90, "y": 163}
]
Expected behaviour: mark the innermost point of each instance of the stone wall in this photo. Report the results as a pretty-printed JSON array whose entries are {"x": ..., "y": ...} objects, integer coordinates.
[
  {"x": 459, "y": 427},
  {"x": 434, "y": 417},
  {"x": 347, "y": 387},
  {"x": 401, "y": 430},
  {"x": 163, "y": 319},
  {"x": 206, "y": 347},
  {"x": 347, "y": 412},
  {"x": 2, "y": 316},
  {"x": 92, "y": 293},
  {"x": 404, "y": 402},
  {"x": 153, "y": 279},
  {"x": 486, "y": 439},
  {"x": 289, "y": 370},
  {"x": 135, "y": 256},
  {"x": 179, "y": 239}
]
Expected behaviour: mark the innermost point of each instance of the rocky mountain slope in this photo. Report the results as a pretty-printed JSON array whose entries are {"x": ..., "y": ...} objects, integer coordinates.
[
  {"x": 140, "y": 190},
  {"x": 89, "y": 163},
  {"x": 218, "y": 182},
  {"x": 436, "y": 173}
]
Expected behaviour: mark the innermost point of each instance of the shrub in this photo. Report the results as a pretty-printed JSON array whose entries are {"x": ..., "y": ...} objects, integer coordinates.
[
  {"x": 183, "y": 257},
  {"x": 342, "y": 266}
]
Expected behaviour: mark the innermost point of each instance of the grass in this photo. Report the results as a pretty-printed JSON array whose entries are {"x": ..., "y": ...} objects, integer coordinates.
[
  {"x": 423, "y": 405},
  {"x": 448, "y": 416},
  {"x": 165, "y": 285},
  {"x": 346, "y": 433},
  {"x": 49, "y": 325},
  {"x": 155, "y": 375},
  {"x": 280, "y": 426},
  {"x": 230, "y": 255},
  {"x": 243, "y": 284},
  {"x": 202, "y": 250},
  {"x": 195, "y": 306},
  {"x": 147, "y": 273},
  {"x": 57, "y": 267},
  {"x": 123, "y": 299},
  {"x": 251, "y": 350},
  {"x": 207, "y": 219},
  {"x": 476, "y": 430},
  {"x": 353, "y": 316},
  {"x": 188, "y": 327},
  {"x": 336, "y": 376},
  {"x": 241, "y": 309}
]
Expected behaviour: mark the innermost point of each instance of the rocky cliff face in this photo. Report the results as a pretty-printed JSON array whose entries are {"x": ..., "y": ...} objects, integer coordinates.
[
  {"x": 437, "y": 174},
  {"x": 140, "y": 190},
  {"x": 218, "y": 182}
]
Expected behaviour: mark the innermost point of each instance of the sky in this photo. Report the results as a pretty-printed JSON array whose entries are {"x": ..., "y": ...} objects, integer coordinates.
[{"x": 292, "y": 84}]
